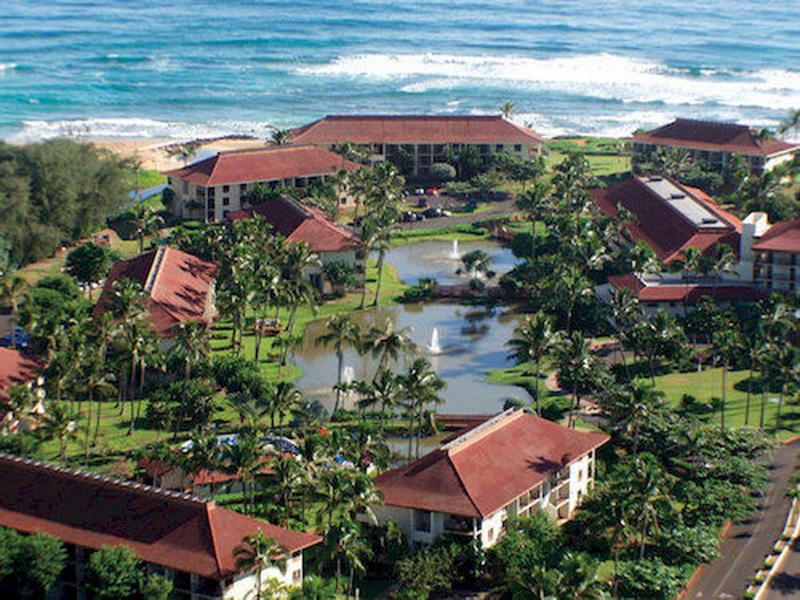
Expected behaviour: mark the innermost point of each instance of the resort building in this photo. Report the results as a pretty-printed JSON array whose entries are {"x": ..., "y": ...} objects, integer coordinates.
[
  {"x": 671, "y": 218},
  {"x": 18, "y": 369},
  {"x": 298, "y": 222},
  {"x": 179, "y": 287},
  {"x": 771, "y": 253},
  {"x": 714, "y": 143},
  {"x": 424, "y": 139},
  {"x": 209, "y": 189},
  {"x": 188, "y": 539},
  {"x": 507, "y": 466}
]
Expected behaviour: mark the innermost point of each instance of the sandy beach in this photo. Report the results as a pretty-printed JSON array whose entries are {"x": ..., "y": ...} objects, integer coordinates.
[{"x": 162, "y": 155}]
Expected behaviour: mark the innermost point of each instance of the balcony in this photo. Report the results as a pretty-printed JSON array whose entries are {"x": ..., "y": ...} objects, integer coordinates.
[{"x": 458, "y": 525}]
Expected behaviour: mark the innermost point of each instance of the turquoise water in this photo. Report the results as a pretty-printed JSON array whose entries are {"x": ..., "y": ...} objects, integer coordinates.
[{"x": 167, "y": 68}]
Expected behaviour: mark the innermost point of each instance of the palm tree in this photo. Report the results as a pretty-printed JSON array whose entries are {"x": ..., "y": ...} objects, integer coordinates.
[
  {"x": 384, "y": 391},
  {"x": 576, "y": 364},
  {"x": 625, "y": 313},
  {"x": 536, "y": 202},
  {"x": 281, "y": 399},
  {"x": 259, "y": 553},
  {"x": 243, "y": 457},
  {"x": 145, "y": 222},
  {"x": 186, "y": 152},
  {"x": 368, "y": 240},
  {"x": 532, "y": 340},
  {"x": 632, "y": 406},
  {"x": 571, "y": 286},
  {"x": 725, "y": 343},
  {"x": 387, "y": 343},
  {"x": 192, "y": 345},
  {"x": 507, "y": 109},
  {"x": 724, "y": 261},
  {"x": 342, "y": 333},
  {"x": 791, "y": 123},
  {"x": 204, "y": 454},
  {"x": 287, "y": 476},
  {"x": 382, "y": 243},
  {"x": 280, "y": 137},
  {"x": 12, "y": 290},
  {"x": 59, "y": 423},
  {"x": 476, "y": 263},
  {"x": 420, "y": 388}
]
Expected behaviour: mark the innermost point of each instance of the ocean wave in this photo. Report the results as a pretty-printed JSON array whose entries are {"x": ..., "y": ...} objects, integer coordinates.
[
  {"x": 138, "y": 128},
  {"x": 7, "y": 67},
  {"x": 603, "y": 76}
]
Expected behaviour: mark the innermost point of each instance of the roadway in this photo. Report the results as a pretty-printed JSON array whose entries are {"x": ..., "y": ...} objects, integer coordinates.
[{"x": 747, "y": 544}]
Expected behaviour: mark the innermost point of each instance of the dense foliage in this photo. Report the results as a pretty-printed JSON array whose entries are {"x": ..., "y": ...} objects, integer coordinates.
[{"x": 54, "y": 193}]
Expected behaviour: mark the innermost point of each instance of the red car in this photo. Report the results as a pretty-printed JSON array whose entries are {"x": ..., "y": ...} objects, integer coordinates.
[{"x": 432, "y": 192}]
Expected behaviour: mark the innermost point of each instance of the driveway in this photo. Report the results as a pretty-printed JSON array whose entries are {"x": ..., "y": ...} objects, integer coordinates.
[
  {"x": 747, "y": 544},
  {"x": 496, "y": 209}
]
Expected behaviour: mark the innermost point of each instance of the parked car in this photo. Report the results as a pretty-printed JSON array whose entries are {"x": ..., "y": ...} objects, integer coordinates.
[
  {"x": 433, "y": 213},
  {"x": 419, "y": 192},
  {"x": 432, "y": 191},
  {"x": 422, "y": 202},
  {"x": 407, "y": 216}
]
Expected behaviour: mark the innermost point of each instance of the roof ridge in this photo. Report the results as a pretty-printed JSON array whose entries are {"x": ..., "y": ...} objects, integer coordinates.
[
  {"x": 215, "y": 548},
  {"x": 462, "y": 483},
  {"x": 268, "y": 148},
  {"x": 481, "y": 431},
  {"x": 107, "y": 479},
  {"x": 155, "y": 269}
]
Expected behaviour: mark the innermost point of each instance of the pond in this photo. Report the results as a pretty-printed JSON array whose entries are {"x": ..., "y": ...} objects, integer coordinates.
[
  {"x": 471, "y": 342},
  {"x": 438, "y": 260}
]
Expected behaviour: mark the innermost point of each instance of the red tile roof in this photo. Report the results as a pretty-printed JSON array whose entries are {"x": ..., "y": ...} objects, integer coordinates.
[
  {"x": 662, "y": 227},
  {"x": 781, "y": 237},
  {"x": 689, "y": 293},
  {"x": 410, "y": 129},
  {"x": 300, "y": 223},
  {"x": 178, "y": 285},
  {"x": 264, "y": 164},
  {"x": 16, "y": 369},
  {"x": 485, "y": 469},
  {"x": 178, "y": 531},
  {"x": 715, "y": 137}
]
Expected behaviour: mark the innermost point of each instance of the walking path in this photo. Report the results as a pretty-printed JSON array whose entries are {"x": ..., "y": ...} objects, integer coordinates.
[{"x": 747, "y": 544}]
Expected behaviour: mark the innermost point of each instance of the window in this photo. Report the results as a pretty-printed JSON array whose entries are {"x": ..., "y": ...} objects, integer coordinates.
[
  {"x": 242, "y": 188},
  {"x": 297, "y": 575},
  {"x": 580, "y": 474},
  {"x": 498, "y": 147},
  {"x": 226, "y": 189},
  {"x": 517, "y": 147},
  {"x": 210, "y": 217},
  {"x": 422, "y": 521},
  {"x": 225, "y": 214},
  {"x": 491, "y": 535},
  {"x": 211, "y": 203},
  {"x": 378, "y": 148},
  {"x": 211, "y": 192},
  {"x": 185, "y": 187},
  {"x": 226, "y": 201}
]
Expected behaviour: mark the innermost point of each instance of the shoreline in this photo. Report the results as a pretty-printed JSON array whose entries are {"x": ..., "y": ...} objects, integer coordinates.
[{"x": 164, "y": 154}]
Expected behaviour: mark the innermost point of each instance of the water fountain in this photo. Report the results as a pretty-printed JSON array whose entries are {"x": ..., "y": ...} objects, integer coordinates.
[
  {"x": 435, "y": 346},
  {"x": 454, "y": 253},
  {"x": 348, "y": 375}
]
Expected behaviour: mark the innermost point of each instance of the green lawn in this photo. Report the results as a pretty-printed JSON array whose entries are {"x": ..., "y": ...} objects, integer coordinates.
[
  {"x": 707, "y": 384},
  {"x": 461, "y": 232},
  {"x": 147, "y": 178}
]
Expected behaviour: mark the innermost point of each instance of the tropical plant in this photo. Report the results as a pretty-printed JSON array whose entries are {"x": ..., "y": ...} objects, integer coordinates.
[
  {"x": 342, "y": 333},
  {"x": 532, "y": 341},
  {"x": 420, "y": 389},
  {"x": 259, "y": 553}
]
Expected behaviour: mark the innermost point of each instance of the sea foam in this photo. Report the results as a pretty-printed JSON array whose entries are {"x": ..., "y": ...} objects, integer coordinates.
[
  {"x": 603, "y": 76},
  {"x": 138, "y": 128}
]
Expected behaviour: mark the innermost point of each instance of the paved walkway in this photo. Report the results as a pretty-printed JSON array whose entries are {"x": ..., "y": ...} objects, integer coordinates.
[{"x": 746, "y": 545}]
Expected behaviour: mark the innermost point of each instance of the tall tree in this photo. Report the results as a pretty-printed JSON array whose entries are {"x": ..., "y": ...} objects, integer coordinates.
[
  {"x": 532, "y": 341},
  {"x": 535, "y": 203},
  {"x": 259, "y": 553},
  {"x": 342, "y": 333}
]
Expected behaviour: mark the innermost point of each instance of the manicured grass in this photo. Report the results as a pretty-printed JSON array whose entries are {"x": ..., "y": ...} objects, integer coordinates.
[
  {"x": 461, "y": 232},
  {"x": 707, "y": 384},
  {"x": 587, "y": 145},
  {"x": 147, "y": 178},
  {"x": 600, "y": 164}
]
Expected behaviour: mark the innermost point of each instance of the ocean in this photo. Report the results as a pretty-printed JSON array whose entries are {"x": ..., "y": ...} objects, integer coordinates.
[{"x": 180, "y": 69}]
